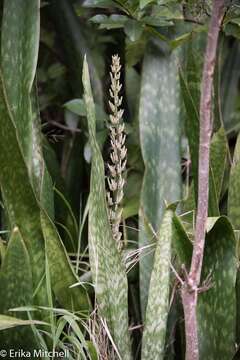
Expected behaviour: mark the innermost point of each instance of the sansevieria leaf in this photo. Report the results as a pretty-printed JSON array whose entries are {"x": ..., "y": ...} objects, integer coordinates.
[
  {"x": 19, "y": 199},
  {"x": 218, "y": 155},
  {"x": 217, "y": 306},
  {"x": 23, "y": 209},
  {"x": 15, "y": 292},
  {"x": 24, "y": 178},
  {"x": 159, "y": 118},
  {"x": 61, "y": 270},
  {"x": 233, "y": 192},
  {"x": 20, "y": 38},
  {"x": 19, "y": 53},
  {"x": 192, "y": 131},
  {"x": 229, "y": 86},
  {"x": 106, "y": 262},
  {"x": 182, "y": 245},
  {"x": 155, "y": 325},
  {"x": 190, "y": 90}
]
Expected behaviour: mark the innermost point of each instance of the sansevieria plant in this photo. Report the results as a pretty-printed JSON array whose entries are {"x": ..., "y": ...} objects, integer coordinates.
[{"x": 119, "y": 179}]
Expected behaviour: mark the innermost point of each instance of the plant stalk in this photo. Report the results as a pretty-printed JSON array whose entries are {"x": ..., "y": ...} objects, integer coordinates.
[
  {"x": 190, "y": 287},
  {"x": 118, "y": 155}
]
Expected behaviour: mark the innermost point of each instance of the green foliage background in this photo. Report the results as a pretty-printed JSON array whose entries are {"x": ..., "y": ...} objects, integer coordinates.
[{"x": 63, "y": 282}]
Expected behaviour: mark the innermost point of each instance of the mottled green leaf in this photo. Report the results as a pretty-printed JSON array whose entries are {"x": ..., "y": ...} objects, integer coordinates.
[
  {"x": 155, "y": 326},
  {"x": 191, "y": 124},
  {"x": 190, "y": 89},
  {"x": 218, "y": 158},
  {"x": 132, "y": 86},
  {"x": 211, "y": 221},
  {"x": 181, "y": 242},
  {"x": 61, "y": 271},
  {"x": 19, "y": 53},
  {"x": 217, "y": 306},
  {"x": 106, "y": 263},
  {"x": 192, "y": 131},
  {"x": 41, "y": 179},
  {"x": 233, "y": 192},
  {"x": 159, "y": 117},
  {"x": 16, "y": 290},
  {"x": 20, "y": 38},
  {"x": 229, "y": 86},
  {"x": 238, "y": 302},
  {"x": 18, "y": 194},
  {"x": 24, "y": 210},
  {"x": 23, "y": 142}
]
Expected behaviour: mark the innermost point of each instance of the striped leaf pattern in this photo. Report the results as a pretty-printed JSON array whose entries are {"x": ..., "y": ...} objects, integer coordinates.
[
  {"x": 18, "y": 194},
  {"x": 20, "y": 38},
  {"x": 192, "y": 131},
  {"x": 182, "y": 245},
  {"x": 61, "y": 270},
  {"x": 233, "y": 192},
  {"x": 218, "y": 158},
  {"x": 15, "y": 292},
  {"x": 24, "y": 211},
  {"x": 106, "y": 263},
  {"x": 217, "y": 306},
  {"x": 159, "y": 118},
  {"x": 26, "y": 180},
  {"x": 154, "y": 333}
]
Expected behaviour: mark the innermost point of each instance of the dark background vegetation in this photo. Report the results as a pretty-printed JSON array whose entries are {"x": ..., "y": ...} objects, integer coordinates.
[{"x": 133, "y": 29}]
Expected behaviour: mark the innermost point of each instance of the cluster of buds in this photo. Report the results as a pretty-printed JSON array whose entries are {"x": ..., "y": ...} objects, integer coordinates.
[{"x": 118, "y": 152}]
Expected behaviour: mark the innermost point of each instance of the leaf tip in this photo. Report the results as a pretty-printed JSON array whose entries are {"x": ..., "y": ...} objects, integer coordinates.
[{"x": 15, "y": 230}]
